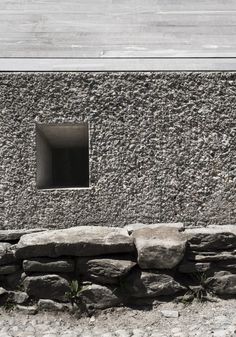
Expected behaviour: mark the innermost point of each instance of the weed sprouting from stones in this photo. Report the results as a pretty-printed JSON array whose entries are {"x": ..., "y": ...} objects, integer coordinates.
[
  {"x": 75, "y": 298},
  {"x": 200, "y": 292}
]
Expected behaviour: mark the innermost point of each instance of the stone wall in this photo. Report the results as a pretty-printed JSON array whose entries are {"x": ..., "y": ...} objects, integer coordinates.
[
  {"x": 96, "y": 267},
  {"x": 162, "y": 148}
]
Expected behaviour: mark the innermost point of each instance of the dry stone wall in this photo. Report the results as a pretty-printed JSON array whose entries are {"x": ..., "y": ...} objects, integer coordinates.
[
  {"x": 162, "y": 148},
  {"x": 96, "y": 267}
]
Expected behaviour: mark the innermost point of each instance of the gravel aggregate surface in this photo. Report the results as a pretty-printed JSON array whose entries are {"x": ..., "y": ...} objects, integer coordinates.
[
  {"x": 215, "y": 319},
  {"x": 161, "y": 147}
]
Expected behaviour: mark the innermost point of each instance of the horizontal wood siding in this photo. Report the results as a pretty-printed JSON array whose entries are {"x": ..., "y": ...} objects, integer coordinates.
[{"x": 117, "y": 28}]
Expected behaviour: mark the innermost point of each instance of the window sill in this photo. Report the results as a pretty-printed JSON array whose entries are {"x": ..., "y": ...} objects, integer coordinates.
[{"x": 64, "y": 189}]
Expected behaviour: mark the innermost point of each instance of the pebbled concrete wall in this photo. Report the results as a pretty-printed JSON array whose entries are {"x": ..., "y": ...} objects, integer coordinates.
[{"x": 162, "y": 148}]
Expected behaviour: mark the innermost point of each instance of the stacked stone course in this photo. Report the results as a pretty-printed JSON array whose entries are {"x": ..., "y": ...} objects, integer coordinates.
[{"x": 136, "y": 265}]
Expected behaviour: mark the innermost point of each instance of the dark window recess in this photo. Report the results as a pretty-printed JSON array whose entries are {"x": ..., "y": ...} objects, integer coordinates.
[
  {"x": 62, "y": 156},
  {"x": 70, "y": 167}
]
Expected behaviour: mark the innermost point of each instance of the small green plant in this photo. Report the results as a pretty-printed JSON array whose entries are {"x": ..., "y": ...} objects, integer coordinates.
[
  {"x": 74, "y": 296},
  {"x": 199, "y": 292},
  {"x": 8, "y": 306},
  {"x": 75, "y": 291}
]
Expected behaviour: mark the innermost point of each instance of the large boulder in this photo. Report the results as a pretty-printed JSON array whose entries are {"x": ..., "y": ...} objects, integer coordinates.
[
  {"x": 77, "y": 241},
  {"x": 53, "y": 287},
  {"x": 222, "y": 283},
  {"x": 48, "y": 265},
  {"x": 212, "y": 238},
  {"x": 99, "y": 296},
  {"x": 10, "y": 235},
  {"x": 159, "y": 248},
  {"x": 103, "y": 270},
  {"x": 141, "y": 284}
]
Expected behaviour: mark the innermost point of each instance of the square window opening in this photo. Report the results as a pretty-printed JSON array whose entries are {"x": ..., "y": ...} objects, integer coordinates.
[{"x": 62, "y": 156}]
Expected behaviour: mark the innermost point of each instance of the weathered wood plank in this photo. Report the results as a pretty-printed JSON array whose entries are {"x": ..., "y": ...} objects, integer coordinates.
[
  {"x": 166, "y": 43},
  {"x": 154, "y": 64},
  {"x": 120, "y": 6},
  {"x": 126, "y": 23},
  {"x": 112, "y": 28}
]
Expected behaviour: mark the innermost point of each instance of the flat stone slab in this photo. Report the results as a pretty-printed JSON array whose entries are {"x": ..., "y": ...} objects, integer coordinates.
[
  {"x": 170, "y": 313},
  {"x": 50, "y": 305},
  {"x": 75, "y": 241},
  {"x": 134, "y": 226},
  {"x": 222, "y": 283},
  {"x": 159, "y": 248},
  {"x": 52, "y": 287},
  {"x": 16, "y": 234},
  {"x": 28, "y": 310},
  {"x": 142, "y": 284},
  {"x": 103, "y": 270},
  {"x": 212, "y": 238},
  {"x": 225, "y": 265},
  {"x": 213, "y": 256},
  {"x": 9, "y": 269},
  {"x": 99, "y": 296},
  {"x": 49, "y": 265}
]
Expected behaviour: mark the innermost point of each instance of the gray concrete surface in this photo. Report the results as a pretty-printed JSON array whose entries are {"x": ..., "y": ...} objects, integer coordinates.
[{"x": 162, "y": 148}]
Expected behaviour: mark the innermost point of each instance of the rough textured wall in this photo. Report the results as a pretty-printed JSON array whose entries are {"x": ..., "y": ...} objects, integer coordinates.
[{"x": 162, "y": 147}]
